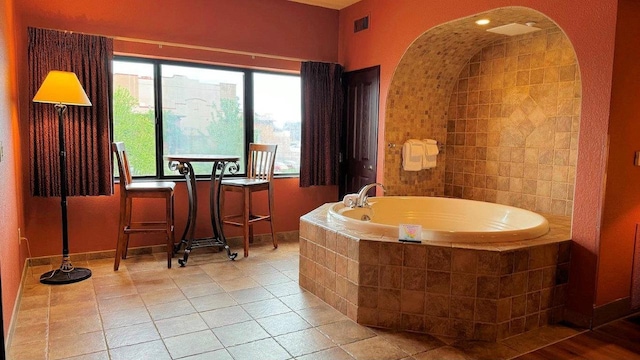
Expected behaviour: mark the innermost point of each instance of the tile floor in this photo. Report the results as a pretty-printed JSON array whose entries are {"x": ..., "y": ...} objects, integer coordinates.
[{"x": 213, "y": 308}]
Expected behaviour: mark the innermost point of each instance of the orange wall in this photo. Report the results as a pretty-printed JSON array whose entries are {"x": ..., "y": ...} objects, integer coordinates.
[
  {"x": 622, "y": 201},
  {"x": 12, "y": 256},
  {"x": 589, "y": 24},
  {"x": 273, "y": 27}
]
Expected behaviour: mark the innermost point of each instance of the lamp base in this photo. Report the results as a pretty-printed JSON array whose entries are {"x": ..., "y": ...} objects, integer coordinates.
[{"x": 60, "y": 277}]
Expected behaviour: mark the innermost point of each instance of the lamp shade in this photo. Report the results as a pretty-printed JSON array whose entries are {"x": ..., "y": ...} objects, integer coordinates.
[{"x": 62, "y": 87}]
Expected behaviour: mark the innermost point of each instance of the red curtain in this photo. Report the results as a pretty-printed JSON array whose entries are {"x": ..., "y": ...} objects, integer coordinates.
[
  {"x": 322, "y": 104},
  {"x": 87, "y": 136}
]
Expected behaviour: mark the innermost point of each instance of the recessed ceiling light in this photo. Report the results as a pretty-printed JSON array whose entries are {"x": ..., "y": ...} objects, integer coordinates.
[{"x": 483, "y": 21}]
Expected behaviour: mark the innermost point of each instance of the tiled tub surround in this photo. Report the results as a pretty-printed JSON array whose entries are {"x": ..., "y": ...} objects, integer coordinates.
[
  {"x": 484, "y": 292},
  {"x": 512, "y": 129}
]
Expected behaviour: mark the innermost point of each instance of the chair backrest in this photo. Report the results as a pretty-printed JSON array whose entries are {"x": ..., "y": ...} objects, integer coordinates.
[
  {"x": 261, "y": 161},
  {"x": 123, "y": 163}
]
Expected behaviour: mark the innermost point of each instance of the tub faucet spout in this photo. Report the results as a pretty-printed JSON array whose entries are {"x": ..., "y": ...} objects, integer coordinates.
[{"x": 361, "y": 201}]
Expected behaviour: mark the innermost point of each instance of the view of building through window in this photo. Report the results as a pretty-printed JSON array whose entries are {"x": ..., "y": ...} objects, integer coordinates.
[
  {"x": 277, "y": 114},
  {"x": 134, "y": 114},
  {"x": 203, "y": 113}
]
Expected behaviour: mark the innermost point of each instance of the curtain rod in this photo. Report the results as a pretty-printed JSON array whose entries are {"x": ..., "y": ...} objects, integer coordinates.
[
  {"x": 207, "y": 48},
  {"x": 194, "y": 47}
]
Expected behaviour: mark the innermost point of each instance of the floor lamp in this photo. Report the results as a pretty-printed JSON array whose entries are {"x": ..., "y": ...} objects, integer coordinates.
[{"x": 62, "y": 88}]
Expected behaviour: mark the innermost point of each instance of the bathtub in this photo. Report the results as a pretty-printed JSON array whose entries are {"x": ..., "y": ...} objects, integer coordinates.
[{"x": 442, "y": 219}]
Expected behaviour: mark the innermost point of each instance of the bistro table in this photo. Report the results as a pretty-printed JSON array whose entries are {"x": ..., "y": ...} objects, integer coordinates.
[{"x": 221, "y": 163}]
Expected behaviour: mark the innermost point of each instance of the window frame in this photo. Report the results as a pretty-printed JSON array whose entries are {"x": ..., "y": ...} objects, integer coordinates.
[{"x": 248, "y": 110}]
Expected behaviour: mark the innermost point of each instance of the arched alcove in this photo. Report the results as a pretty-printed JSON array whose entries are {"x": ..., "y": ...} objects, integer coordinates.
[{"x": 507, "y": 108}]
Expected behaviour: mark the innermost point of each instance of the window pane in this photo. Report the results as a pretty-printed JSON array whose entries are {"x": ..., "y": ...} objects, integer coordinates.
[
  {"x": 202, "y": 112},
  {"x": 134, "y": 114},
  {"x": 277, "y": 114}
]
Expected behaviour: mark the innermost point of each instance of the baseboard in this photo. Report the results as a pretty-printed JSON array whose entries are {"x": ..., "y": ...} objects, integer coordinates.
[
  {"x": 16, "y": 308},
  {"x": 611, "y": 311}
]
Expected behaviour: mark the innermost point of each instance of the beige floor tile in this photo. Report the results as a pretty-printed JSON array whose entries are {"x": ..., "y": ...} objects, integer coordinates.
[
  {"x": 345, "y": 332},
  {"x": 270, "y": 278},
  {"x": 74, "y": 325},
  {"x": 292, "y": 263},
  {"x": 212, "y": 302},
  {"x": 240, "y": 283},
  {"x": 187, "y": 280},
  {"x": 113, "y": 291},
  {"x": 411, "y": 343},
  {"x": 251, "y": 266},
  {"x": 375, "y": 348},
  {"x": 201, "y": 290},
  {"x": 304, "y": 342},
  {"x": 75, "y": 345},
  {"x": 250, "y": 295},
  {"x": 220, "y": 272},
  {"x": 131, "y": 335},
  {"x": 73, "y": 310},
  {"x": 334, "y": 353},
  {"x": 225, "y": 316},
  {"x": 284, "y": 289},
  {"x": 192, "y": 344},
  {"x": 29, "y": 333},
  {"x": 180, "y": 325},
  {"x": 265, "y": 308},
  {"x": 301, "y": 300},
  {"x": 321, "y": 314},
  {"x": 445, "y": 352},
  {"x": 126, "y": 302},
  {"x": 221, "y": 354},
  {"x": 34, "y": 302},
  {"x": 29, "y": 350},
  {"x": 100, "y": 355},
  {"x": 154, "y": 350},
  {"x": 162, "y": 296},
  {"x": 187, "y": 271},
  {"x": 240, "y": 333},
  {"x": 155, "y": 285},
  {"x": 283, "y": 323},
  {"x": 126, "y": 317},
  {"x": 294, "y": 275},
  {"x": 169, "y": 310},
  {"x": 265, "y": 349}
]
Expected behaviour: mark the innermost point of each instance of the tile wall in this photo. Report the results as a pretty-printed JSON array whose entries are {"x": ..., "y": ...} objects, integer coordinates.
[
  {"x": 512, "y": 128},
  {"x": 507, "y": 108}
]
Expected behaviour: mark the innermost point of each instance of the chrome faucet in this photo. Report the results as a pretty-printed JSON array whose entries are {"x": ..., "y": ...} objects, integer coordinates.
[{"x": 361, "y": 201}]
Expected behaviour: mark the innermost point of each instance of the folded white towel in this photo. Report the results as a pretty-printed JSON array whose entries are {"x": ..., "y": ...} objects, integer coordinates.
[
  {"x": 430, "y": 154},
  {"x": 412, "y": 155}
]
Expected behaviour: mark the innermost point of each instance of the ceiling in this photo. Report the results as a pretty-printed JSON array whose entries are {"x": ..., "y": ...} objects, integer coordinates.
[{"x": 331, "y": 4}]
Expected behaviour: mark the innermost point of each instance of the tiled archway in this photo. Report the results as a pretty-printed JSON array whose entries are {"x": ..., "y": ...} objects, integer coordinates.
[{"x": 507, "y": 109}]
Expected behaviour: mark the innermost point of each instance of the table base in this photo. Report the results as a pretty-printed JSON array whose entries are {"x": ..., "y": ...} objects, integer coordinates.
[{"x": 192, "y": 244}]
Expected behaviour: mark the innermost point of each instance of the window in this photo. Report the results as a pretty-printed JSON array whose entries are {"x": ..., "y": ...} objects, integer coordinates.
[
  {"x": 134, "y": 114},
  {"x": 205, "y": 110},
  {"x": 276, "y": 119}
]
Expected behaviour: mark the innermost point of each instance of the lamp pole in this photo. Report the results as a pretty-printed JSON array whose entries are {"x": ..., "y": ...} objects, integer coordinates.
[{"x": 67, "y": 273}]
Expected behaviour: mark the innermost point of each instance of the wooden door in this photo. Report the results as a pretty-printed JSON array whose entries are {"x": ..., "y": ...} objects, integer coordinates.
[{"x": 360, "y": 130}]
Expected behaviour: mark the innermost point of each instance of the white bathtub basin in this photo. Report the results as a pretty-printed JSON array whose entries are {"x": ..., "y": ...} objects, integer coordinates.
[{"x": 443, "y": 219}]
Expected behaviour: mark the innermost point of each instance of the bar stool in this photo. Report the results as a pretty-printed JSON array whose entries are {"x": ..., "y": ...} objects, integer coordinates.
[
  {"x": 130, "y": 190},
  {"x": 259, "y": 178}
]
